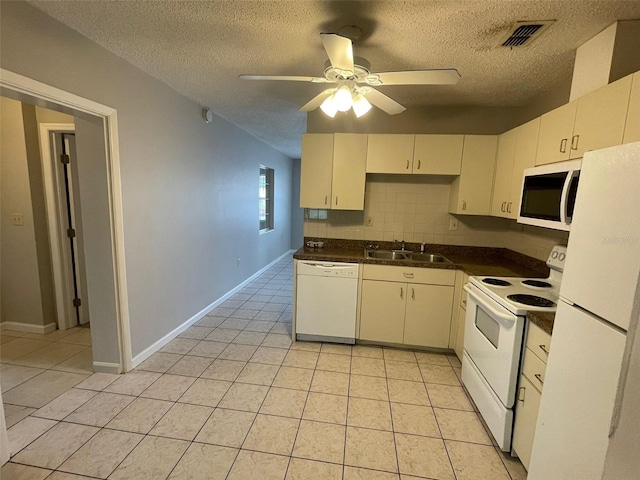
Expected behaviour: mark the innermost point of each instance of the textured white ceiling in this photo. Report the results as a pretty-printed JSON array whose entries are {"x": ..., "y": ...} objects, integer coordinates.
[{"x": 200, "y": 47}]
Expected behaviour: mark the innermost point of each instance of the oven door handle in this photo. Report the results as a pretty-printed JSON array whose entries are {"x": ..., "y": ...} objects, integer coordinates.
[{"x": 505, "y": 317}]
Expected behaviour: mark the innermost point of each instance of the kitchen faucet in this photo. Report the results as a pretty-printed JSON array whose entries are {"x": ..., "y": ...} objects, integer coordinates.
[{"x": 402, "y": 244}]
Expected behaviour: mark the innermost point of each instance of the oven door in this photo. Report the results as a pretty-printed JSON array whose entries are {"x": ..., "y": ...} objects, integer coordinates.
[{"x": 493, "y": 341}]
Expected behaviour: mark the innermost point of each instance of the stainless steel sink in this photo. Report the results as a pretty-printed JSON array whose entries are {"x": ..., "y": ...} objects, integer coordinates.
[
  {"x": 406, "y": 255},
  {"x": 388, "y": 254},
  {"x": 430, "y": 258}
]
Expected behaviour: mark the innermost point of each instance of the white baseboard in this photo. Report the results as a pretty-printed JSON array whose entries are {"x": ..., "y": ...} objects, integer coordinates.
[
  {"x": 146, "y": 353},
  {"x": 28, "y": 327},
  {"x": 104, "y": 367}
]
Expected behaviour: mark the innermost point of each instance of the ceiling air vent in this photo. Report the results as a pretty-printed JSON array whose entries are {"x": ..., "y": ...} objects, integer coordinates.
[{"x": 523, "y": 33}]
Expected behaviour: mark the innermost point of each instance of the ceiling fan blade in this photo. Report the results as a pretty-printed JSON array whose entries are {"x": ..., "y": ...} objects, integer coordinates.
[
  {"x": 292, "y": 78},
  {"x": 384, "y": 103},
  {"x": 316, "y": 101},
  {"x": 340, "y": 51},
  {"x": 445, "y": 76}
]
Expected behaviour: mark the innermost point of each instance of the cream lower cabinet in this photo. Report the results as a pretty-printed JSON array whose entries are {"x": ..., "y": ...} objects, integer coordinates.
[
  {"x": 415, "y": 312},
  {"x": 530, "y": 392}
]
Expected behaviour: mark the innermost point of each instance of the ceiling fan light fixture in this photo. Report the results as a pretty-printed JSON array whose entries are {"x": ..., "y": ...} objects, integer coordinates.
[
  {"x": 329, "y": 106},
  {"x": 342, "y": 99},
  {"x": 360, "y": 105}
]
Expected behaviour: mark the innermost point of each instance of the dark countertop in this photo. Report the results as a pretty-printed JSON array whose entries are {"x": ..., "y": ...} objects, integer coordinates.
[
  {"x": 542, "y": 319},
  {"x": 472, "y": 260}
]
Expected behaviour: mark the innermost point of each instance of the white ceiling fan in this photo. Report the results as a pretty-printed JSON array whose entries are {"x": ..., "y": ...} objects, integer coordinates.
[{"x": 354, "y": 80}]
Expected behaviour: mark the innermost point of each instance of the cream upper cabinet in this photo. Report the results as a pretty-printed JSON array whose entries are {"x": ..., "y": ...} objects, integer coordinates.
[
  {"x": 316, "y": 170},
  {"x": 349, "y": 175},
  {"x": 594, "y": 121},
  {"x": 332, "y": 172},
  {"x": 556, "y": 129},
  {"x": 525, "y": 157},
  {"x": 504, "y": 173},
  {"x": 632, "y": 126},
  {"x": 438, "y": 154},
  {"x": 601, "y": 117},
  {"x": 388, "y": 153},
  {"x": 471, "y": 192}
]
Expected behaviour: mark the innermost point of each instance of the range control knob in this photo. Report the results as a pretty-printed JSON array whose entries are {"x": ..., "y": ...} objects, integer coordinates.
[
  {"x": 554, "y": 254},
  {"x": 561, "y": 257}
]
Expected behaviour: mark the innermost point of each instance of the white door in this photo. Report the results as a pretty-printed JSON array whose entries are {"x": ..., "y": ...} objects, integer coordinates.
[{"x": 579, "y": 390}]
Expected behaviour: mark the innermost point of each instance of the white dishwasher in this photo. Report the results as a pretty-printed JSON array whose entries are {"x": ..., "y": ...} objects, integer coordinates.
[{"x": 326, "y": 299}]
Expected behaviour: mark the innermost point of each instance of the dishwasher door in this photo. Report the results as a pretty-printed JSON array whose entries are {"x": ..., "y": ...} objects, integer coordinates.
[{"x": 326, "y": 299}]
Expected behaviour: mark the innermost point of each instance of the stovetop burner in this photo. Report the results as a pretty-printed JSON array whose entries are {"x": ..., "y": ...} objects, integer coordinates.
[
  {"x": 536, "y": 283},
  {"x": 496, "y": 281},
  {"x": 531, "y": 300}
]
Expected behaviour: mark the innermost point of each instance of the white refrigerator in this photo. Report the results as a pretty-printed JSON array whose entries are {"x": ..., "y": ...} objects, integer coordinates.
[{"x": 595, "y": 311}]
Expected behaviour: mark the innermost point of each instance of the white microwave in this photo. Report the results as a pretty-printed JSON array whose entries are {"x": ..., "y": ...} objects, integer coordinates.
[{"x": 548, "y": 195}]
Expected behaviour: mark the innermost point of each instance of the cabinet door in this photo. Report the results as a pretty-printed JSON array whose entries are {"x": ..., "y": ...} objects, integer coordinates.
[
  {"x": 428, "y": 315},
  {"x": 438, "y": 154},
  {"x": 556, "y": 129},
  {"x": 316, "y": 170},
  {"x": 524, "y": 429},
  {"x": 525, "y": 157},
  {"x": 471, "y": 192},
  {"x": 600, "y": 118},
  {"x": 388, "y": 153},
  {"x": 382, "y": 311},
  {"x": 504, "y": 172},
  {"x": 632, "y": 127},
  {"x": 349, "y": 175}
]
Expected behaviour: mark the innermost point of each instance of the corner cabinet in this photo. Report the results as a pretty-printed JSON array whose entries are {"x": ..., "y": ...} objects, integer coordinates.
[
  {"x": 410, "y": 306},
  {"x": 594, "y": 121},
  {"x": 516, "y": 152},
  {"x": 332, "y": 172},
  {"x": 470, "y": 193},
  {"x": 530, "y": 391}
]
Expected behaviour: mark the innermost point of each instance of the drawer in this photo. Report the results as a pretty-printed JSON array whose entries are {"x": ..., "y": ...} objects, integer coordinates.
[
  {"x": 538, "y": 341},
  {"x": 432, "y": 276},
  {"x": 533, "y": 368}
]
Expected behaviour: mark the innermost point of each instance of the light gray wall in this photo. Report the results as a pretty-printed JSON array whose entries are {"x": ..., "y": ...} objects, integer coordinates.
[
  {"x": 19, "y": 272},
  {"x": 189, "y": 189}
]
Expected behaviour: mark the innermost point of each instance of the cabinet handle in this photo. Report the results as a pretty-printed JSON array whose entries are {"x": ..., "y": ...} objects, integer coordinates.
[
  {"x": 419, "y": 163},
  {"x": 401, "y": 293},
  {"x": 336, "y": 200},
  {"x": 521, "y": 392},
  {"x": 413, "y": 294},
  {"x": 574, "y": 142},
  {"x": 408, "y": 275},
  {"x": 326, "y": 197},
  {"x": 464, "y": 302},
  {"x": 504, "y": 204},
  {"x": 544, "y": 349},
  {"x": 539, "y": 378},
  {"x": 509, "y": 207},
  {"x": 563, "y": 145},
  {"x": 407, "y": 165},
  {"x": 464, "y": 205}
]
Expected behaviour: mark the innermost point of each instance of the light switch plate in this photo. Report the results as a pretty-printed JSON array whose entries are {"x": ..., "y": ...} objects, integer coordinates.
[
  {"x": 18, "y": 219},
  {"x": 369, "y": 221},
  {"x": 453, "y": 223}
]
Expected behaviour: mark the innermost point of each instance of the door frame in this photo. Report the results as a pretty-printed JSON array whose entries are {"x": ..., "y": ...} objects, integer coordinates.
[
  {"x": 48, "y": 94},
  {"x": 60, "y": 257}
]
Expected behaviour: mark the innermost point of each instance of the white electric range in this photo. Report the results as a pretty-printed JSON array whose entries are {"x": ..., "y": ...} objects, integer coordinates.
[{"x": 494, "y": 332}]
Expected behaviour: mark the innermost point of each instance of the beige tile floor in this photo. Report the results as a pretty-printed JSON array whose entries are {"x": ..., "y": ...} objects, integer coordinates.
[{"x": 232, "y": 398}]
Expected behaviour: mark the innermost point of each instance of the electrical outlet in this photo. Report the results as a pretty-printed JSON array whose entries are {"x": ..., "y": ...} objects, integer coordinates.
[
  {"x": 369, "y": 221},
  {"x": 453, "y": 223},
  {"x": 18, "y": 219},
  {"x": 238, "y": 262}
]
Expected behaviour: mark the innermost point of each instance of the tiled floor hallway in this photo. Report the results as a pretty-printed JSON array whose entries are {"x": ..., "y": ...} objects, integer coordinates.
[{"x": 232, "y": 398}]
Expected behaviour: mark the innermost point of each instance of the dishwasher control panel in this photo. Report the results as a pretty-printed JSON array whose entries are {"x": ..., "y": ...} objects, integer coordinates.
[{"x": 323, "y": 269}]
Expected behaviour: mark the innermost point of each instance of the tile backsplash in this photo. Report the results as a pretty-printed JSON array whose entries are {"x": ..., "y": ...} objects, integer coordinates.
[{"x": 415, "y": 209}]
